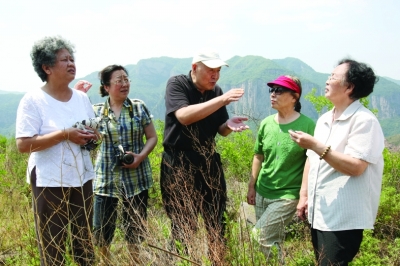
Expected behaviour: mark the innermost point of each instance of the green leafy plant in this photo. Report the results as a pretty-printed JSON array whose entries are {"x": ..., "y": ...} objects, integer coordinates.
[
  {"x": 321, "y": 103},
  {"x": 237, "y": 154}
]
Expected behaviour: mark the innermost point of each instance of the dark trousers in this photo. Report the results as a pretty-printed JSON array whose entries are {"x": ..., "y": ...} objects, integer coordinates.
[
  {"x": 57, "y": 211},
  {"x": 334, "y": 248},
  {"x": 134, "y": 217},
  {"x": 193, "y": 184}
]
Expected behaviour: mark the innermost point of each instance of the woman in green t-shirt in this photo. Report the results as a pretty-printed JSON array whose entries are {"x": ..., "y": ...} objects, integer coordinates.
[{"x": 278, "y": 164}]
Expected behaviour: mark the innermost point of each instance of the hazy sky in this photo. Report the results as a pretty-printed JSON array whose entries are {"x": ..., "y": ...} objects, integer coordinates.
[{"x": 318, "y": 32}]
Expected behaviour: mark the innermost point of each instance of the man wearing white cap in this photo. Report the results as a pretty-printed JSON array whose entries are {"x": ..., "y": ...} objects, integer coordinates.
[{"x": 192, "y": 178}]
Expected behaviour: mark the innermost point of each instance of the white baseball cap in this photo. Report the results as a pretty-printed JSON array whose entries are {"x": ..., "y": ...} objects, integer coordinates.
[{"x": 209, "y": 58}]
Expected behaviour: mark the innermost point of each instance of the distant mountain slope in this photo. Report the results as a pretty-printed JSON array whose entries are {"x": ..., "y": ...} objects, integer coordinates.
[
  {"x": 8, "y": 110},
  {"x": 303, "y": 70},
  {"x": 393, "y": 80},
  {"x": 393, "y": 143},
  {"x": 11, "y": 92},
  {"x": 149, "y": 77}
]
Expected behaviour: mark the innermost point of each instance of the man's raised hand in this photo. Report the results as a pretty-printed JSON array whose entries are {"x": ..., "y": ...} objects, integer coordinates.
[{"x": 236, "y": 123}]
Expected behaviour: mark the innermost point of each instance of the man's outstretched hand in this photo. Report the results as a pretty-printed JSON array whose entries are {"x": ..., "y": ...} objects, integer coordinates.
[
  {"x": 236, "y": 123},
  {"x": 83, "y": 85}
]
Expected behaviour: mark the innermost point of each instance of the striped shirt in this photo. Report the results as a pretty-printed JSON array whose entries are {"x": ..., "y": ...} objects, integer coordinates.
[{"x": 112, "y": 180}]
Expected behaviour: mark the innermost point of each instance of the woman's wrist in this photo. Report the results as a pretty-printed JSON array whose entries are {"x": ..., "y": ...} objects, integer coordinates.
[
  {"x": 226, "y": 125},
  {"x": 303, "y": 192},
  {"x": 252, "y": 183},
  {"x": 327, "y": 149},
  {"x": 65, "y": 134}
]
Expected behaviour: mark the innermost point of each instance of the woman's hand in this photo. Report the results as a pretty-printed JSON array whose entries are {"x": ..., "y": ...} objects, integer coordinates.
[
  {"x": 304, "y": 140},
  {"x": 42, "y": 142},
  {"x": 251, "y": 196},
  {"x": 95, "y": 132},
  {"x": 151, "y": 141},
  {"x": 83, "y": 86},
  {"x": 136, "y": 162},
  {"x": 78, "y": 136},
  {"x": 302, "y": 208}
]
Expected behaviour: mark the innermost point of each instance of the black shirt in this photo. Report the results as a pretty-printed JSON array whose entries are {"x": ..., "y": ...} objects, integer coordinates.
[{"x": 181, "y": 92}]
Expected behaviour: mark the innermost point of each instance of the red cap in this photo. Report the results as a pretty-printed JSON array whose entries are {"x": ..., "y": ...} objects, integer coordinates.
[{"x": 286, "y": 82}]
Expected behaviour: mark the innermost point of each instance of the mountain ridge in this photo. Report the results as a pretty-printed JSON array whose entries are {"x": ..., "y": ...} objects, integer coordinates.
[{"x": 149, "y": 77}]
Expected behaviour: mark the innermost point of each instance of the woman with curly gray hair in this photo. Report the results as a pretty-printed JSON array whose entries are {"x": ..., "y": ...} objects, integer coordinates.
[{"x": 59, "y": 170}]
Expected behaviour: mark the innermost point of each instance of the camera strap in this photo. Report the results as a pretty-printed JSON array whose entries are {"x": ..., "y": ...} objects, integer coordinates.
[{"x": 105, "y": 113}]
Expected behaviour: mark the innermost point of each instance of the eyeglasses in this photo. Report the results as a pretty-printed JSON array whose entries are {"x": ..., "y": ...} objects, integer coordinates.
[
  {"x": 278, "y": 90},
  {"x": 119, "y": 82},
  {"x": 330, "y": 77}
]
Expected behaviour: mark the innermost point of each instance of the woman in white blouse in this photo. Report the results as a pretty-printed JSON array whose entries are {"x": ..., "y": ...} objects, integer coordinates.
[
  {"x": 59, "y": 170},
  {"x": 343, "y": 173}
]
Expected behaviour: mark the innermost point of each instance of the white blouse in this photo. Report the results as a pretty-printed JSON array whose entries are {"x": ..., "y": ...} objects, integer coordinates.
[
  {"x": 337, "y": 201},
  {"x": 64, "y": 164}
]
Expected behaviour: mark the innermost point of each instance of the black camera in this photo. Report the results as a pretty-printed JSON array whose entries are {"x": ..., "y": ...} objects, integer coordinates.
[
  {"x": 122, "y": 157},
  {"x": 91, "y": 144}
]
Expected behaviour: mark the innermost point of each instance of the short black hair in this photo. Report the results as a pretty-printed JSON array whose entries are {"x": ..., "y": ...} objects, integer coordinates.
[
  {"x": 105, "y": 77},
  {"x": 361, "y": 76}
]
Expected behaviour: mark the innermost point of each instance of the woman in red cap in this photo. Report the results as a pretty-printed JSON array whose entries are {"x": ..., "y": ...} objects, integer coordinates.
[{"x": 278, "y": 164}]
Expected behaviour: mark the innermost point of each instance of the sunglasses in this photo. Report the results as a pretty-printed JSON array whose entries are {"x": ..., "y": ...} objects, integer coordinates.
[{"x": 278, "y": 90}]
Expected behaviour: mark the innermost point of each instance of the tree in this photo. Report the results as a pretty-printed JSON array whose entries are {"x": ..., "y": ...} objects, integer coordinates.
[{"x": 321, "y": 103}]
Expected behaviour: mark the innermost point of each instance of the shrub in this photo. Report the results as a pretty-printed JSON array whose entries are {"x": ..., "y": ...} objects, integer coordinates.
[
  {"x": 388, "y": 218},
  {"x": 237, "y": 154}
]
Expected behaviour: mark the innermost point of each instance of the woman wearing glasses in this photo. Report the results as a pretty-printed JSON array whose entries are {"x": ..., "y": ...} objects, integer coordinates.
[
  {"x": 123, "y": 172},
  {"x": 278, "y": 164}
]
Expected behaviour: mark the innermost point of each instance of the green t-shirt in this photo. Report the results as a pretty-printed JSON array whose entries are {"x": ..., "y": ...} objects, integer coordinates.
[{"x": 282, "y": 169}]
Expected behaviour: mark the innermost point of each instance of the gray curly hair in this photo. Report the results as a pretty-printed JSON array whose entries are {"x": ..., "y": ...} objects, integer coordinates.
[{"x": 44, "y": 52}]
